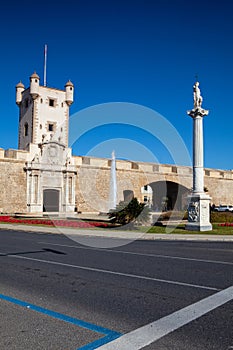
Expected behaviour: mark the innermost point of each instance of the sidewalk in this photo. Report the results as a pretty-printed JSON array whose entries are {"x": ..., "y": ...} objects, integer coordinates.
[{"x": 108, "y": 233}]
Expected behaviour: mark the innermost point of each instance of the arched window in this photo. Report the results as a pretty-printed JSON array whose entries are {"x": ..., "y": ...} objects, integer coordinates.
[{"x": 26, "y": 129}]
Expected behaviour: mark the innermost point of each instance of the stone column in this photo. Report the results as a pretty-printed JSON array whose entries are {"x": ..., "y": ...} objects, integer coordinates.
[
  {"x": 199, "y": 201},
  {"x": 198, "y": 175}
]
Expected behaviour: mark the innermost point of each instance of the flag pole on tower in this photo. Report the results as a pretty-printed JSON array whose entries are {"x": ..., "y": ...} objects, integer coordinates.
[{"x": 45, "y": 63}]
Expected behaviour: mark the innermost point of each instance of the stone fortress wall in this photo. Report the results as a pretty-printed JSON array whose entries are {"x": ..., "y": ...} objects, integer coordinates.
[
  {"x": 93, "y": 181},
  {"x": 13, "y": 182}
]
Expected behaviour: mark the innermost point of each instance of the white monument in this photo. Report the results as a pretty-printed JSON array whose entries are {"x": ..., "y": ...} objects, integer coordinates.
[
  {"x": 199, "y": 201},
  {"x": 113, "y": 184}
]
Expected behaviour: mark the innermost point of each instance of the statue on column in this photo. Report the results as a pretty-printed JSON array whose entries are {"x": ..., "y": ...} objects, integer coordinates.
[{"x": 197, "y": 95}]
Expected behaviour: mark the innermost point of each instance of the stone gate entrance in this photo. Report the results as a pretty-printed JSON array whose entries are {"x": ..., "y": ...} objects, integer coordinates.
[{"x": 51, "y": 200}]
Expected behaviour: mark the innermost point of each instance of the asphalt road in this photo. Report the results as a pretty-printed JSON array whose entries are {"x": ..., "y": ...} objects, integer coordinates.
[{"x": 57, "y": 294}]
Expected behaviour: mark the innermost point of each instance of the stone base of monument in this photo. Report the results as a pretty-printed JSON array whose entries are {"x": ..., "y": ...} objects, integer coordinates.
[{"x": 199, "y": 212}]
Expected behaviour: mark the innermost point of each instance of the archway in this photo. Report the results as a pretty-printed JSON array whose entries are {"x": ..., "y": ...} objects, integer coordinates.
[
  {"x": 51, "y": 200},
  {"x": 168, "y": 195}
]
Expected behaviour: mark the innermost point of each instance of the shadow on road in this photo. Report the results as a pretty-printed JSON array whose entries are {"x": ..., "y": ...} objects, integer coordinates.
[{"x": 43, "y": 250}]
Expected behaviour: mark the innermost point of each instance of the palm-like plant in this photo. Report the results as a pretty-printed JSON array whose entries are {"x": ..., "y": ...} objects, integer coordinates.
[{"x": 130, "y": 212}]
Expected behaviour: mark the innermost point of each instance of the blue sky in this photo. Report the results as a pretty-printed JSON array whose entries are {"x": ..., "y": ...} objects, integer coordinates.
[{"x": 144, "y": 52}]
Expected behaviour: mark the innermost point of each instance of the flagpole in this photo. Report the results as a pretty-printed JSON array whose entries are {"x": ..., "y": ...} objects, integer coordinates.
[{"x": 45, "y": 63}]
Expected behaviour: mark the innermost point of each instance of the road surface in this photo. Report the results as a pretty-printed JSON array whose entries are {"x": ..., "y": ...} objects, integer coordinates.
[{"x": 56, "y": 294}]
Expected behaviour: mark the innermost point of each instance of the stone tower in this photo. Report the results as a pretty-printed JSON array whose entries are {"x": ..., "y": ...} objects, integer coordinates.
[
  {"x": 43, "y": 132},
  {"x": 44, "y": 112}
]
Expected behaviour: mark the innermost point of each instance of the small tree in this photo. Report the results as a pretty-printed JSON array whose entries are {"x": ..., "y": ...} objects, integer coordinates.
[{"x": 132, "y": 211}]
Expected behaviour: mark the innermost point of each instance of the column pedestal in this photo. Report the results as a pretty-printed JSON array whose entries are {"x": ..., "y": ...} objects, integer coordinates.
[{"x": 199, "y": 212}]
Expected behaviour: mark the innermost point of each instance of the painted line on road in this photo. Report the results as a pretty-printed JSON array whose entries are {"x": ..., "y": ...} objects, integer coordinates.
[
  {"x": 152, "y": 332},
  {"x": 142, "y": 254},
  {"x": 109, "y": 334},
  {"x": 100, "y": 342},
  {"x": 115, "y": 273}
]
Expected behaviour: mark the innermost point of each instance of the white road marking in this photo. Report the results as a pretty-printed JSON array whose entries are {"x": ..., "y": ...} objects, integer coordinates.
[
  {"x": 148, "y": 334},
  {"x": 114, "y": 272},
  {"x": 143, "y": 254}
]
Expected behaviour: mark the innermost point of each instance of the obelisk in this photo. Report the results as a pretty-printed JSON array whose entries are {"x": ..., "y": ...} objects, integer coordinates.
[
  {"x": 199, "y": 201},
  {"x": 113, "y": 184}
]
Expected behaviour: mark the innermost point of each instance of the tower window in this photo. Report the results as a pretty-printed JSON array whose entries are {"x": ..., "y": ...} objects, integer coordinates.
[
  {"x": 50, "y": 127},
  {"x": 41, "y": 100},
  {"x": 26, "y": 129},
  {"x": 26, "y": 103},
  {"x": 51, "y": 102}
]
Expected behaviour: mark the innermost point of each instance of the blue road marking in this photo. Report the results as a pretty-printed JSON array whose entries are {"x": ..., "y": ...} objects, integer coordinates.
[
  {"x": 95, "y": 344},
  {"x": 109, "y": 334}
]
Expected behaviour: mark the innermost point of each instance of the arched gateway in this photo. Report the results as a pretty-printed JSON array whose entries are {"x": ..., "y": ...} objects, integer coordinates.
[{"x": 165, "y": 195}]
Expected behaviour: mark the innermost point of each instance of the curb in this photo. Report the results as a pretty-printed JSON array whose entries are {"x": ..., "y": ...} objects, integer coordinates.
[{"x": 118, "y": 234}]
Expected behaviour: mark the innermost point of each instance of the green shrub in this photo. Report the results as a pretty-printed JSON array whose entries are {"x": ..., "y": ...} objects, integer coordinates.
[
  {"x": 130, "y": 212},
  {"x": 221, "y": 217}
]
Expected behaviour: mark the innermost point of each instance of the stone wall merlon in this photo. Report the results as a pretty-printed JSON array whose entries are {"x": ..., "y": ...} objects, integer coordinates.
[
  {"x": 16, "y": 154},
  {"x": 184, "y": 171},
  {"x": 228, "y": 175},
  {"x": 121, "y": 165},
  {"x": 218, "y": 173},
  {"x": 165, "y": 168},
  {"x": 99, "y": 162},
  {"x": 51, "y": 88},
  {"x": 147, "y": 168},
  {"x": 2, "y": 153},
  {"x": 77, "y": 160}
]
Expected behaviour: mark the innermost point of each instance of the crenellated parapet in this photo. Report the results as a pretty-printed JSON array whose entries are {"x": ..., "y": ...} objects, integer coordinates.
[
  {"x": 152, "y": 168},
  {"x": 149, "y": 167}
]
